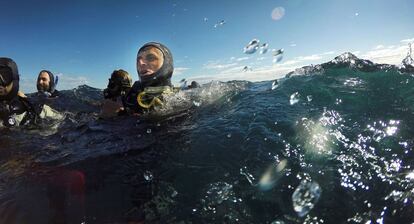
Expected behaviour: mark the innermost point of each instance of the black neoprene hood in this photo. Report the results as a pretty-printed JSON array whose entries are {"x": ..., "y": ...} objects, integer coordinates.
[
  {"x": 52, "y": 84},
  {"x": 13, "y": 77},
  {"x": 163, "y": 76}
]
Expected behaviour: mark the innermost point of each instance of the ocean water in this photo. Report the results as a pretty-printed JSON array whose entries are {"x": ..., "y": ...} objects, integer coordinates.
[{"x": 330, "y": 143}]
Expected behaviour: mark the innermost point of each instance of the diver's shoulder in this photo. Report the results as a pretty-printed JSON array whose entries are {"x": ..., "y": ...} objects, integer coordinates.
[{"x": 136, "y": 87}]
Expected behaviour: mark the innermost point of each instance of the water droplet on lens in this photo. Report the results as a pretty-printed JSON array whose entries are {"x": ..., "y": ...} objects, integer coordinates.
[
  {"x": 305, "y": 197},
  {"x": 338, "y": 101},
  {"x": 249, "y": 177},
  {"x": 294, "y": 98},
  {"x": 174, "y": 193},
  {"x": 148, "y": 176},
  {"x": 197, "y": 104},
  {"x": 275, "y": 84},
  {"x": 264, "y": 48},
  {"x": 247, "y": 68},
  {"x": 277, "y": 52},
  {"x": 251, "y": 47},
  {"x": 410, "y": 175},
  {"x": 278, "y": 13},
  {"x": 220, "y": 23},
  {"x": 277, "y": 222},
  {"x": 271, "y": 176},
  {"x": 277, "y": 55}
]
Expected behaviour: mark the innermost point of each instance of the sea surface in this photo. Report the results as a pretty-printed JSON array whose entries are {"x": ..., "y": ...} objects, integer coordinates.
[{"x": 329, "y": 143}]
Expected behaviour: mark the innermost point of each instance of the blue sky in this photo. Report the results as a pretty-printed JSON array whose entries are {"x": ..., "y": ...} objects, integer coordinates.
[{"x": 84, "y": 41}]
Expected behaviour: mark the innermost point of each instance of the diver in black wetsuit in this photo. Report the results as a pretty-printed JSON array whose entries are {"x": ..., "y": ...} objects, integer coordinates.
[
  {"x": 119, "y": 85},
  {"x": 46, "y": 84},
  {"x": 155, "y": 68},
  {"x": 46, "y": 91},
  {"x": 13, "y": 102}
]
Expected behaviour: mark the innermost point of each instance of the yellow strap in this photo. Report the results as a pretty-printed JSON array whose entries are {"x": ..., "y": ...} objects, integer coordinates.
[{"x": 154, "y": 101}]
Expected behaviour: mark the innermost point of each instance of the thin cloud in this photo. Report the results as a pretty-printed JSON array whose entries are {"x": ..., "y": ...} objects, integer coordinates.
[
  {"x": 288, "y": 63},
  {"x": 180, "y": 70},
  {"x": 387, "y": 54},
  {"x": 218, "y": 65},
  {"x": 70, "y": 81},
  {"x": 233, "y": 69},
  {"x": 313, "y": 57},
  {"x": 406, "y": 41},
  {"x": 356, "y": 53},
  {"x": 242, "y": 59},
  {"x": 328, "y": 53}
]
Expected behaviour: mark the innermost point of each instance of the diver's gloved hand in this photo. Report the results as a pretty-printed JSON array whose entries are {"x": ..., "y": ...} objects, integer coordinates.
[
  {"x": 31, "y": 118},
  {"x": 113, "y": 93}
]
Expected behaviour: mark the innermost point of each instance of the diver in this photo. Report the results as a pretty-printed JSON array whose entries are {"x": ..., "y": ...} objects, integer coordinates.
[
  {"x": 118, "y": 87},
  {"x": 155, "y": 68},
  {"x": 46, "y": 96},
  {"x": 15, "y": 109},
  {"x": 193, "y": 85},
  {"x": 46, "y": 84}
]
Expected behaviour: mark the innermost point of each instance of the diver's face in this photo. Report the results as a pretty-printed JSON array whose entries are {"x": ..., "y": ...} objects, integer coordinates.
[
  {"x": 149, "y": 61},
  {"x": 5, "y": 90},
  {"x": 43, "y": 81}
]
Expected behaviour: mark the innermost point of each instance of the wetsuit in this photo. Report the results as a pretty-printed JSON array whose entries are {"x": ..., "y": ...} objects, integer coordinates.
[{"x": 13, "y": 103}]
